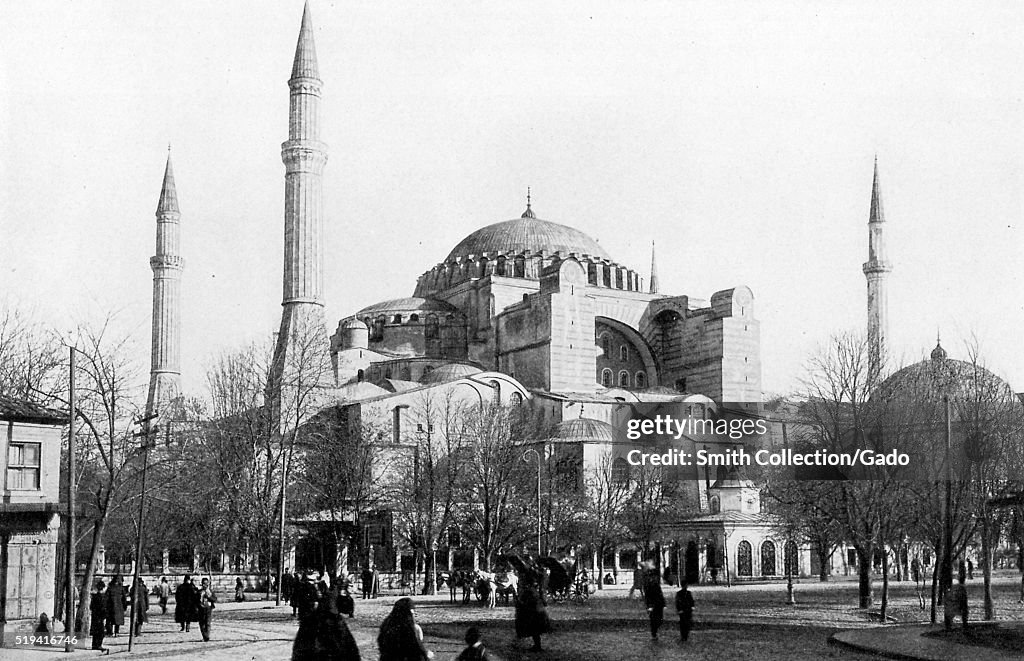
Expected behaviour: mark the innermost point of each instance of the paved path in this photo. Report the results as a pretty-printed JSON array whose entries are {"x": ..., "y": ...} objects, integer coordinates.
[{"x": 909, "y": 642}]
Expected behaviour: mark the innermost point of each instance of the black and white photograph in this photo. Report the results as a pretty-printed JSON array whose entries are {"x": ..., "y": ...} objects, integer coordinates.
[{"x": 570, "y": 331}]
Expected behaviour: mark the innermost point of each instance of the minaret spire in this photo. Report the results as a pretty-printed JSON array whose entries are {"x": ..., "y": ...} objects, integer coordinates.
[
  {"x": 302, "y": 343},
  {"x": 876, "y": 271},
  {"x": 654, "y": 272},
  {"x": 165, "y": 354}
]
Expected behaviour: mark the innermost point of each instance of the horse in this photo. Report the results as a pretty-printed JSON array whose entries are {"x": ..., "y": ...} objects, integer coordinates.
[
  {"x": 486, "y": 588},
  {"x": 507, "y": 587}
]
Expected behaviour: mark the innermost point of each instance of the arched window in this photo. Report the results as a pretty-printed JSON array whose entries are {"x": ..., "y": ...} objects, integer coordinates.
[
  {"x": 413, "y": 317},
  {"x": 592, "y": 273},
  {"x": 499, "y": 269},
  {"x": 496, "y": 387},
  {"x": 715, "y": 505},
  {"x": 791, "y": 563},
  {"x": 519, "y": 267},
  {"x": 681, "y": 385},
  {"x": 397, "y": 319},
  {"x": 606, "y": 275},
  {"x": 430, "y": 331},
  {"x": 623, "y": 379},
  {"x": 605, "y": 341},
  {"x": 768, "y": 558},
  {"x": 744, "y": 559},
  {"x": 515, "y": 398},
  {"x": 623, "y": 353},
  {"x": 620, "y": 471},
  {"x": 359, "y": 376},
  {"x": 606, "y": 378},
  {"x": 640, "y": 380}
]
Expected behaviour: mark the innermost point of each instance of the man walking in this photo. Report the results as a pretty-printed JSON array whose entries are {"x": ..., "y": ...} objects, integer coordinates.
[
  {"x": 207, "y": 602},
  {"x": 684, "y": 606},
  {"x": 165, "y": 594},
  {"x": 655, "y": 600}
]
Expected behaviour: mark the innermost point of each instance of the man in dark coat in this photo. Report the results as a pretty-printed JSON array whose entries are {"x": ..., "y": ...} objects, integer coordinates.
[
  {"x": 185, "y": 603},
  {"x": 305, "y": 596},
  {"x": 206, "y": 602},
  {"x": 655, "y": 600},
  {"x": 97, "y": 615},
  {"x": 684, "y": 606},
  {"x": 531, "y": 607},
  {"x": 367, "y": 582},
  {"x": 140, "y": 595},
  {"x": 115, "y": 602}
]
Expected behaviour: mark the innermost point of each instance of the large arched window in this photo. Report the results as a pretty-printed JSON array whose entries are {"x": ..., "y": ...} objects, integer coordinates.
[
  {"x": 592, "y": 273},
  {"x": 744, "y": 559},
  {"x": 515, "y": 398},
  {"x": 623, "y": 379},
  {"x": 640, "y": 380},
  {"x": 519, "y": 267},
  {"x": 768, "y": 558},
  {"x": 499, "y": 268},
  {"x": 606, "y": 378},
  {"x": 715, "y": 505},
  {"x": 620, "y": 471},
  {"x": 606, "y": 344},
  {"x": 792, "y": 560}
]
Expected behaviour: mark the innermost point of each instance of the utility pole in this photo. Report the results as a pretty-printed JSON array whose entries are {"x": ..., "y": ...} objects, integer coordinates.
[
  {"x": 147, "y": 432},
  {"x": 69, "y": 617}
]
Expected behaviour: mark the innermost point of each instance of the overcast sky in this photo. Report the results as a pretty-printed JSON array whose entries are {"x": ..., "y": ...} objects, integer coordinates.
[{"x": 740, "y": 137}]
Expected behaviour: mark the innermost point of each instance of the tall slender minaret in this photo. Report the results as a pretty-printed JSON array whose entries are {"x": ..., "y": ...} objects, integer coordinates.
[
  {"x": 303, "y": 328},
  {"x": 876, "y": 270},
  {"x": 654, "y": 272},
  {"x": 165, "y": 357}
]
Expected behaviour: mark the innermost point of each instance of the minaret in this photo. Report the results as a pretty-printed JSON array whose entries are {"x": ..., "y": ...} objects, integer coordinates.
[
  {"x": 876, "y": 270},
  {"x": 654, "y": 272},
  {"x": 303, "y": 334},
  {"x": 165, "y": 357}
]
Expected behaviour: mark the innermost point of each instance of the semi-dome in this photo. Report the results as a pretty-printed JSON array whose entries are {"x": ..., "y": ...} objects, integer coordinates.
[
  {"x": 527, "y": 234},
  {"x": 407, "y": 305},
  {"x": 450, "y": 372}
]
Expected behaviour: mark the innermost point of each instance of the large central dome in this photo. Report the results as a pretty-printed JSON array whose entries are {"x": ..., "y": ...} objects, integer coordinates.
[{"x": 529, "y": 234}]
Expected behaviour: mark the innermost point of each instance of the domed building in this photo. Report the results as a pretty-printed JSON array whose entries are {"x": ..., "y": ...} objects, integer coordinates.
[{"x": 546, "y": 304}]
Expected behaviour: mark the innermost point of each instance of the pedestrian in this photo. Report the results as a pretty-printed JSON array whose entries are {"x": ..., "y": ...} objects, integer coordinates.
[
  {"x": 475, "y": 650},
  {"x": 375, "y": 584},
  {"x": 453, "y": 585},
  {"x": 116, "y": 602},
  {"x": 185, "y": 603},
  {"x": 140, "y": 597},
  {"x": 207, "y": 602},
  {"x": 531, "y": 607},
  {"x": 654, "y": 598},
  {"x": 323, "y": 635},
  {"x": 346, "y": 604},
  {"x": 970, "y": 569},
  {"x": 287, "y": 582},
  {"x": 367, "y": 582},
  {"x": 400, "y": 637},
  {"x": 296, "y": 589},
  {"x": 98, "y": 615},
  {"x": 305, "y": 596},
  {"x": 638, "y": 582},
  {"x": 164, "y": 591},
  {"x": 239, "y": 590},
  {"x": 684, "y": 606}
]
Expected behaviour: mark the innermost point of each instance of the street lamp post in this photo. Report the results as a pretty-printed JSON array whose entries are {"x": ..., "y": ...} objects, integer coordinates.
[
  {"x": 69, "y": 616},
  {"x": 524, "y": 455},
  {"x": 947, "y": 532}
]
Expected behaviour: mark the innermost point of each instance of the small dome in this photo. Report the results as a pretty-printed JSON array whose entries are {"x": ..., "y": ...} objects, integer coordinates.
[
  {"x": 450, "y": 372},
  {"x": 352, "y": 323},
  {"x": 583, "y": 430},
  {"x": 938, "y": 353},
  {"x": 527, "y": 234}
]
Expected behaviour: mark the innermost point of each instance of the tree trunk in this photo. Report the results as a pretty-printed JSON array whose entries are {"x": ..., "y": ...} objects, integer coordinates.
[
  {"x": 864, "y": 574},
  {"x": 935, "y": 578},
  {"x": 823, "y": 560},
  {"x": 986, "y": 567},
  {"x": 885, "y": 583},
  {"x": 85, "y": 591}
]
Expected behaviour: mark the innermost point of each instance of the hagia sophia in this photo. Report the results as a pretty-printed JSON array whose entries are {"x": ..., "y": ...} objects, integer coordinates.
[{"x": 523, "y": 311}]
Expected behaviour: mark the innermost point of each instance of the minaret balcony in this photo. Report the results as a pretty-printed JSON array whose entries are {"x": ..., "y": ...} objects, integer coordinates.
[{"x": 159, "y": 262}]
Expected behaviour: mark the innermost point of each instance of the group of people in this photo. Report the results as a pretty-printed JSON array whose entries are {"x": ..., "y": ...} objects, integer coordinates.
[
  {"x": 654, "y": 598},
  {"x": 194, "y": 604},
  {"x": 107, "y": 607}
]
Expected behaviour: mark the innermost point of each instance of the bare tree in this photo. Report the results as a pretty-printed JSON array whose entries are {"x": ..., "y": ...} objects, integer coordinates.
[{"x": 608, "y": 490}]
